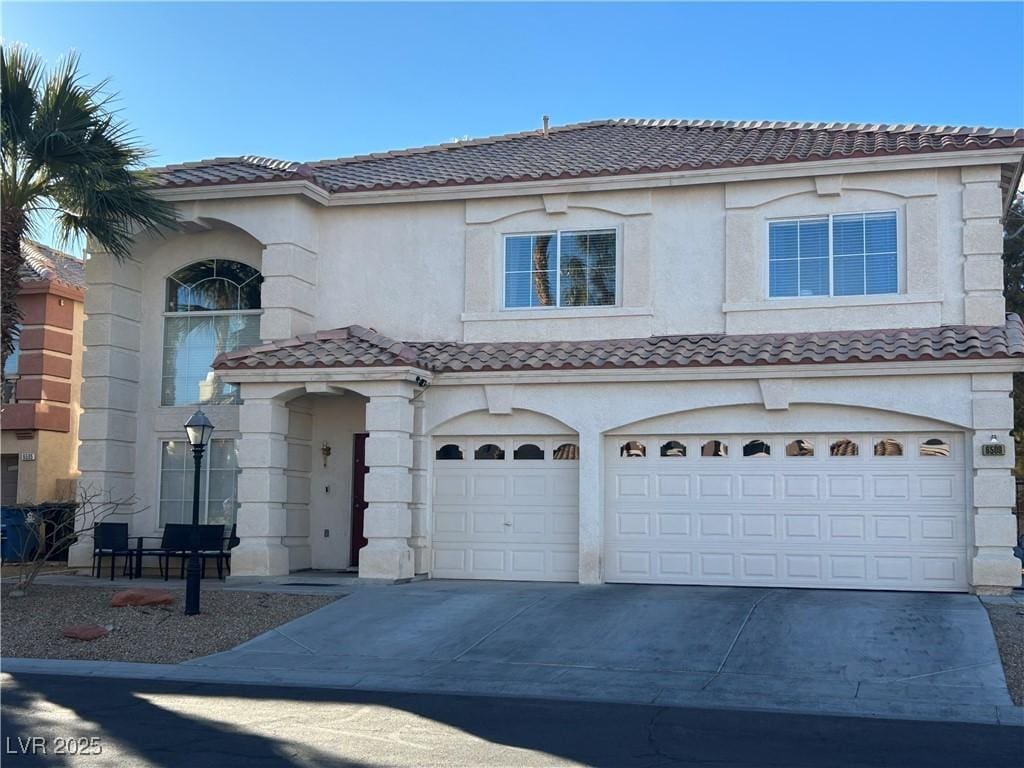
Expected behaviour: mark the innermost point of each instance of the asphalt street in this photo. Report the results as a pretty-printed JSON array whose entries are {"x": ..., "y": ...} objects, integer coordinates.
[{"x": 138, "y": 723}]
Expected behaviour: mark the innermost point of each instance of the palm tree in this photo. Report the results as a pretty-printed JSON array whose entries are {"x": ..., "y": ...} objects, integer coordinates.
[{"x": 64, "y": 151}]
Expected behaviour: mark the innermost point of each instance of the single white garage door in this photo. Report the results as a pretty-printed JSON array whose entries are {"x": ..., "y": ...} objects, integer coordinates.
[
  {"x": 863, "y": 511},
  {"x": 506, "y": 508}
]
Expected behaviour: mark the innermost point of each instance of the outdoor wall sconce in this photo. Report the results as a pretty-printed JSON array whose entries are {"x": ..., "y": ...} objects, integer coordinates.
[
  {"x": 325, "y": 449},
  {"x": 993, "y": 447}
]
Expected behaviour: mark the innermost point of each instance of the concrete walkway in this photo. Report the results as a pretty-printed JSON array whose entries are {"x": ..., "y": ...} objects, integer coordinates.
[{"x": 879, "y": 654}]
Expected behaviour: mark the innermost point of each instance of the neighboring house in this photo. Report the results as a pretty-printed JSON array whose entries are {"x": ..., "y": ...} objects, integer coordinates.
[
  {"x": 42, "y": 380},
  {"x": 622, "y": 351}
]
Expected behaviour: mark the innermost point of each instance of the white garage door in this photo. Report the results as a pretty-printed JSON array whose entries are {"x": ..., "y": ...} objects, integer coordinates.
[
  {"x": 878, "y": 511},
  {"x": 506, "y": 508}
]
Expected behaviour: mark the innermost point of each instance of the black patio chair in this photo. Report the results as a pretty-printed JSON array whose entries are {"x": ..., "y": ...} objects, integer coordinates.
[
  {"x": 211, "y": 547},
  {"x": 173, "y": 542},
  {"x": 230, "y": 542},
  {"x": 110, "y": 540},
  {"x": 176, "y": 542}
]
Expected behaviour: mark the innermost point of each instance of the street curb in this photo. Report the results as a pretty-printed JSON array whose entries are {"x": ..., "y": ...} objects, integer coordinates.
[{"x": 196, "y": 672}]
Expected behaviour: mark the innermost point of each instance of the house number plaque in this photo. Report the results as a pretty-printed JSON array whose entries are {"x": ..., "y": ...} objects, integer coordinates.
[{"x": 993, "y": 449}]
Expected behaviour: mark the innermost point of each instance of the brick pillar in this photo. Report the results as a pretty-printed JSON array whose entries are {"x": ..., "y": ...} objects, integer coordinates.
[
  {"x": 983, "y": 246},
  {"x": 994, "y": 569},
  {"x": 110, "y": 372},
  {"x": 262, "y": 489},
  {"x": 388, "y": 491}
]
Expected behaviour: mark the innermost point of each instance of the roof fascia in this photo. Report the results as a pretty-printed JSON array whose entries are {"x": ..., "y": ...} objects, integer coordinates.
[
  {"x": 630, "y": 375},
  {"x": 252, "y": 189},
  {"x": 597, "y": 183}
]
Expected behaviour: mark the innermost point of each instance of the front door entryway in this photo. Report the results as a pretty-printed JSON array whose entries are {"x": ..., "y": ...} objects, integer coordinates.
[
  {"x": 9, "y": 479},
  {"x": 359, "y": 470}
]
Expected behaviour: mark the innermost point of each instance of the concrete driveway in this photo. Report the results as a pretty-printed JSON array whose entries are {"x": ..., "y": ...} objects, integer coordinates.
[{"x": 927, "y": 656}]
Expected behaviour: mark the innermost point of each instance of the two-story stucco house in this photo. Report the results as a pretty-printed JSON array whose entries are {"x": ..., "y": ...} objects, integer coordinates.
[{"x": 622, "y": 351}]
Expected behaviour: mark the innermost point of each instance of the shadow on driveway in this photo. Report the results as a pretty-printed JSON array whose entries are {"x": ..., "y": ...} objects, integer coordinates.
[{"x": 152, "y": 723}]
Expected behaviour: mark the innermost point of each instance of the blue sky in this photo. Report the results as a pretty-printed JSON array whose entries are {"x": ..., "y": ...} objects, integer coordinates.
[{"x": 311, "y": 81}]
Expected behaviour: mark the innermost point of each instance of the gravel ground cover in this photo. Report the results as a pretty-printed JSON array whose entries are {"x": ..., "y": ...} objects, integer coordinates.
[
  {"x": 32, "y": 626},
  {"x": 1008, "y": 625}
]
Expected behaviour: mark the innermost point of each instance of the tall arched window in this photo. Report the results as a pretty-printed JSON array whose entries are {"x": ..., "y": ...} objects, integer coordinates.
[{"x": 211, "y": 307}]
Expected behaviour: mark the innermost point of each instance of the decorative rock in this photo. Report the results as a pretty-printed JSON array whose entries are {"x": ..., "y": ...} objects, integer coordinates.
[
  {"x": 85, "y": 631},
  {"x": 141, "y": 596}
]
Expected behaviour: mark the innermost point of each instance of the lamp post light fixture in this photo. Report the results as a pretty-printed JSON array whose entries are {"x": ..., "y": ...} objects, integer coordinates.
[{"x": 198, "y": 428}]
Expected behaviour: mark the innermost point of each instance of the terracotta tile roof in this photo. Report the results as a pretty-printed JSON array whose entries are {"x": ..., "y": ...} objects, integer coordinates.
[
  {"x": 45, "y": 263},
  {"x": 356, "y": 346},
  {"x": 599, "y": 148}
]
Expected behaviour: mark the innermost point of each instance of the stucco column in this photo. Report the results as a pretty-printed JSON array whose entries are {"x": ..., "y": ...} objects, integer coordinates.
[
  {"x": 983, "y": 245},
  {"x": 262, "y": 488},
  {"x": 994, "y": 569},
  {"x": 591, "y": 507},
  {"x": 288, "y": 294},
  {"x": 388, "y": 490},
  {"x": 110, "y": 379},
  {"x": 420, "y": 540}
]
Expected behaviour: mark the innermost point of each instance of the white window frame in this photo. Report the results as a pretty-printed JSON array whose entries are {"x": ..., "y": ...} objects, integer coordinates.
[
  {"x": 204, "y": 498},
  {"x": 163, "y": 336},
  {"x": 557, "y": 233},
  {"x": 900, "y": 282}
]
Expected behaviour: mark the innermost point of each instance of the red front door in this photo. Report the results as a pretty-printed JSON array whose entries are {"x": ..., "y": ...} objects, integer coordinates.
[{"x": 359, "y": 470}]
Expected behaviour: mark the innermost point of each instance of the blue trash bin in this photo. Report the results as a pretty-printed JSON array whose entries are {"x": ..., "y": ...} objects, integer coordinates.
[{"x": 19, "y": 539}]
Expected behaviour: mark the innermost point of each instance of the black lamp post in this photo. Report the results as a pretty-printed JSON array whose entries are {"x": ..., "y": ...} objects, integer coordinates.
[{"x": 198, "y": 429}]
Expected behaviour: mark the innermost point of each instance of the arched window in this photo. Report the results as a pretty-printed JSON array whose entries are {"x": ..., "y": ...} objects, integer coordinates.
[
  {"x": 757, "y": 447},
  {"x": 933, "y": 446},
  {"x": 212, "y": 306},
  {"x": 714, "y": 448},
  {"x": 528, "y": 452},
  {"x": 632, "y": 449},
  {"x": 888, "y": 446},
  {"x": 673, "y": 448},
  {"x": 449, "y": 452},
  {"x": 489, "y": 452},
  {"x": 800, "y": 447},
  {"x": 566, "y": 452},
  {"x": 843, "y": 447}
]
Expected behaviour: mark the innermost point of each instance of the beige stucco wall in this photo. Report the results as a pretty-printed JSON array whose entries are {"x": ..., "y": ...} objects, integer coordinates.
[
  {"x": 693, "y": 258},
  {"x": 692, "y": 261}
]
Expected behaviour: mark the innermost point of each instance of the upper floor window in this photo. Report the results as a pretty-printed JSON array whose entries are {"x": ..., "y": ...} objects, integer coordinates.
[
  {"x": 561, "y": 269},
  {"x": 212, "y": 307},
  {"x": 10, "y": 374},
  {"x": 839, "y": 255}
]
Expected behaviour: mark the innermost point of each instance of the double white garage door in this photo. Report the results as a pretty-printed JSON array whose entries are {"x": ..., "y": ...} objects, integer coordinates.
[{"x": 868, "y": 511}]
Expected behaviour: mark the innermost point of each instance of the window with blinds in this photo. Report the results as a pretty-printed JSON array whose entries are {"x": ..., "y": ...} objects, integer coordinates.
[
  {"x": 218, "y": 483},
  {"x": 212, "y": 306},
  {"x": 839, "y": 255},
  {"x": 561, "y": 269}
]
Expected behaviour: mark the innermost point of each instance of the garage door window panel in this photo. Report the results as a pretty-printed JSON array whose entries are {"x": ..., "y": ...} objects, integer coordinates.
[
  {"x": 888, "y": 447},
  {"x": 714, "y": 449},
  {"x": 566, "y": 452},
  {"x": 633, "y": 449},
  {"x": 449, "y": 452},
  {"x": 934, "y": 448},
  {"x": 489, "y": 452},
  {"x": 528, "y": 452},
  {"x": 800, "y": 448},
  {"x": 844, "y": 447},
  {"x": 673, "y": 449},
  {"x": 757, "y": 448}
]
